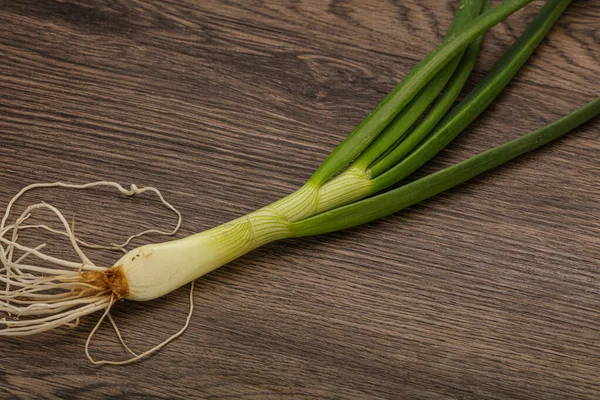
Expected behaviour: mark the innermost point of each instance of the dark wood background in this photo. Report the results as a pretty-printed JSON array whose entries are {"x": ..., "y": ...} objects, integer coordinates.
[{"x": 490, "y": 291}]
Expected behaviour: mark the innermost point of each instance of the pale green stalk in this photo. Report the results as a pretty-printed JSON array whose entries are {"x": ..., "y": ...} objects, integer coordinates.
[
  {"x": 156, "y": 269},
  {"x": 304, "y": 211}
]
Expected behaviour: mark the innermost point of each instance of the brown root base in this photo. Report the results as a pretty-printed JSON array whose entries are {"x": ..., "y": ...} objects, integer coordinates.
[{"x": 113, "y": 279}]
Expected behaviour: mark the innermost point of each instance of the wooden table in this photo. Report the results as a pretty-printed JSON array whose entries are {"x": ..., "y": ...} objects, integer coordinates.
[{"x": 491, "y": 290}]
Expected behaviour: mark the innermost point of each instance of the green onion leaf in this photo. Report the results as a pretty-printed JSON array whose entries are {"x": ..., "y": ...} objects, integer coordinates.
[
  {"x": 395, "y": 200},
  {"x": 480, "y": 97},
  {"x": 403, "y": 93},
  {"x": 467, "y": 10}
]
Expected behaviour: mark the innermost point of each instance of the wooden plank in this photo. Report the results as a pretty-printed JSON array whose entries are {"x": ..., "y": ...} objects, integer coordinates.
[{"x": 488, "y": 291}]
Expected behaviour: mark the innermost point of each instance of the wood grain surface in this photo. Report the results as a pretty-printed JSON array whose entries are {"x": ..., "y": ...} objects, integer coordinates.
[{"x": 489, "y": 291}]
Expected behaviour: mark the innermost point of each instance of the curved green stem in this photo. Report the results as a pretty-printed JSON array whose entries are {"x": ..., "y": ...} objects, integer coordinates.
[
  {"x": 399, "y": 97},
  {"x": 441, "y": 107},
  {"x": 480, "y": 97},
  {"x": 467, "y": 10},
  {"x": 354, "y": 183},
  {"x": 395, "y": 200}
]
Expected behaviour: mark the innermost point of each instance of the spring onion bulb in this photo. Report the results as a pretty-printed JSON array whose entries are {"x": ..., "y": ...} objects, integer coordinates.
[{"x": 351, "y": 187}]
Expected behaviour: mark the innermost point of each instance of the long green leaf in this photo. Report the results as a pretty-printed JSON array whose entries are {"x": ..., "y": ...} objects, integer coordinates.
[
  {"x": 393, "y": 103},
  {"x": 395, "y": 200},
  {"x": 441, "y": 107},
  {"x": 480, "y": 97},
  {"x": 466, "y": 11}
]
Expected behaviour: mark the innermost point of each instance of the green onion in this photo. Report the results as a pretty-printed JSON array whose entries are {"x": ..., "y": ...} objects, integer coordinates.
[
  {"x": 305, "y": 210},
  {"x": 345, "y": 191}
]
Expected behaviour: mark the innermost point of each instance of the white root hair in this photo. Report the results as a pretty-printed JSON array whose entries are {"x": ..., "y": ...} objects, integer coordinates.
[{"x": 49, "y": 292}]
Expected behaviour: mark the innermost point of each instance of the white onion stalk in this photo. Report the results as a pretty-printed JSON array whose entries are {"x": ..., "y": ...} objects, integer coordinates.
[{"x": 154, "y": 270}]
